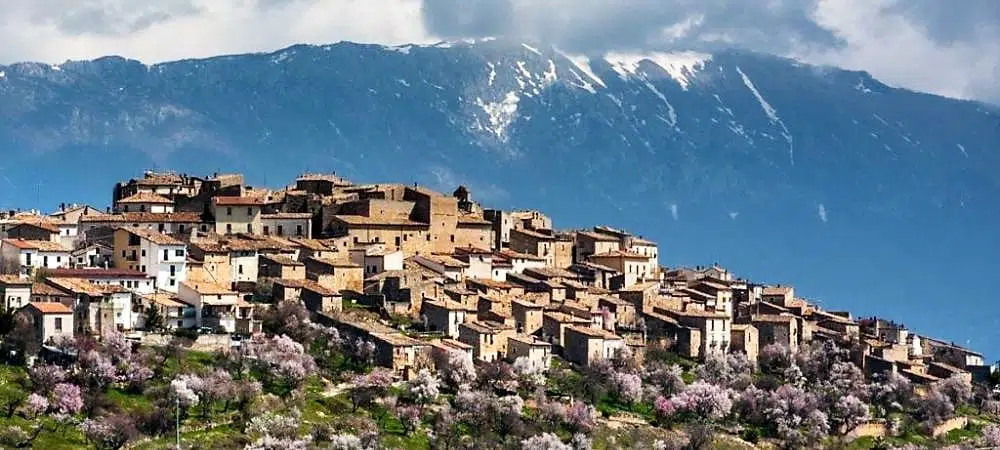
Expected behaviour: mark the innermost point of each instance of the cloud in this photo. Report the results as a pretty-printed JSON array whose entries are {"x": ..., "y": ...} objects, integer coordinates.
[
  {"x": 821, "y": 211},
  {"x": 733, "y": 215},
  {"x": 926, "y": 45},
  {"x": 160, "y": 30},
  {"x": 674, "y": 212}
]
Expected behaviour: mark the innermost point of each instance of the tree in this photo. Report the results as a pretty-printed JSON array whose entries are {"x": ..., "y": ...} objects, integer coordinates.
[
  {"x": 456, "y": 367},
  {"x": 774, "y": 359},
  {"x": 66, "y": 399},
  {"x": 45, "y": 376},
  {"x": 410, "y": 417},
  {"x": 704, "y": 400},
  {"x": 23, "y": 336},
  {"x": 627, "y": 387},
  {"x": 370, "y": 386},
  {"x": 991, "y": 436},
  {"x": 35, "y": 406},
  {"x": 957, "y": 388},
  {"x": 110, "y": 432},
  {"x": 581, "y": 417},
  {"x": 423, "y": 388},
  {"x": 185, "y": 389},
  {"x": 289, "y": 319},
  {"x": 283, "y": 359},
  {"x": 11, "y": 398},
  {"x": 153, "y": 319},
  {"x": 530, "y": 373},
  {"x": 666, "y": 377},
  {"x": 544, "y": 441},
  {"x": 848, "y": 412}
]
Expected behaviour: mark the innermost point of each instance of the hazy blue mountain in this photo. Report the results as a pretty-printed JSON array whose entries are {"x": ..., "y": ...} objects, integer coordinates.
[{"x": 867, "y": 197}]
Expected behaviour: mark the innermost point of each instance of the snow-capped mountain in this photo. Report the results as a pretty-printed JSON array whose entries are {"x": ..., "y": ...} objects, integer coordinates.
[{"x": 870, "y": 197}]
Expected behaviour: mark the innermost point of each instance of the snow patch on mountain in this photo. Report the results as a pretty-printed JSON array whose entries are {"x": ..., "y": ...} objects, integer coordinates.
[
  {"x": 772, "y": 114},
  {"x": 670, "y": 108},
  {"x": 499, "y": 114},
  {"x": 681, "y": 66},
  {"x": 583, "y": 64},
  {"x": 531, "y": 49}
]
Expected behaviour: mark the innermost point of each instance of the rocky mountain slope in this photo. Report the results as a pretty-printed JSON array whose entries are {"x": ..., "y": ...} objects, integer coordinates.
[{"x": 869, "y": 197}]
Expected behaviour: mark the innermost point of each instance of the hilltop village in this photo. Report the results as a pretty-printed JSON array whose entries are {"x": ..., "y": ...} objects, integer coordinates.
[
  {"x": 415, "y": 273},
  {"x": 497, "y": 284}
]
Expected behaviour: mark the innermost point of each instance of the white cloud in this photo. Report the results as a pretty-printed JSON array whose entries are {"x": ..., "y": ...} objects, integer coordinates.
[
  {"x": 674, "y": 212},
  {"x": 56, "y": 30},
  {"x": 733, "y": 215},
  {"x": 821, "y": 211}
]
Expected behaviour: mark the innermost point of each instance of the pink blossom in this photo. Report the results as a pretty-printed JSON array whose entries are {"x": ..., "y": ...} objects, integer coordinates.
[
  {"x": 665, "y": 408},
  {"x": 423, "y": 387},
  {"x": 66, "y": 398},
  {"x": 991, "y": 436},
  {"x": 45, "y": 377},
  {"x": 545, "y": 441},
  {"x": 582, "y": 416},
  {"x": 36, "y": 405},
  {"x": 628, "y": 387},
  {"x": 705, "y": 400}
]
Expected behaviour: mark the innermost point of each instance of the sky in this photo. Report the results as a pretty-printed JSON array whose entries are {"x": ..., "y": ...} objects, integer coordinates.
[{"x": 937, "y": 46}]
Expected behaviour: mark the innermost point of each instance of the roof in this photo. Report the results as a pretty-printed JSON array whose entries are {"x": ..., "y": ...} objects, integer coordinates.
[
  {"x": 447, "y": 304},
  {"x": 550, "y": 272},
  {"x": 530, "y": 340},
  {"x": 472, "y": 250},
  {"x": 42, "y": 246},
  {"x": 164, "y": 298},
  {"x": 205, "y": 288},
  {"x": 619, "y": 254},
  {"x": 525, "y": 303},
  {"x": 486, "y": 327},
  {"x": 467, "y": 219},
  {"x": 158, "y": 179},
  {"x": 286, "y": 215},
  {"x": 444, "y": 260},
  {"x": 153, "y": 236},
  {"x": 772, "y": 318},
  {"x": 594, "y": 333},
  {"x": 147, "y": 197},
  {"x": 510, "y": 254},
  {"x": 78, "y": 286},
  {"x": 14, "y": 280},
  {"x": 451, "y": 344},
  {"x": 145, "y": 217},
  {"x": 332, "y": 262},
  {"x": 282, "y": 259},
  {"x": 312, "y": 244},
  {"x": 47, "y": 226},
  {"x": 96, "y": 273},
  {"x": 362, "y": 221},
  {"x": 46, "y": 289},
  {"x": 397, "y": 339},
  {"x": 490, "y": 283},
  {"x": 238, "y": 201},
  {"x": 309, "y": 285},
  {"x": 641, "y": 287},
  {"x": 534, "y": 234},
  {"x": 641, "y": 241},
  {"x": 563, "y": 317},
  {"x": 51, "y": 307},
  {"x": 600, "y": 237},
  {"x": 613, "y": 300},
  {"x": 777, "y": 290}
]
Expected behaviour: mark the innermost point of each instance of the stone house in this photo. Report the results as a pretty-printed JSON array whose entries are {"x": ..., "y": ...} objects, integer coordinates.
[
  {"x": 237, "y": 215},
  {"x": 534, "y": 243},
  {"x": 777, "y": 329},
  {"x": 15, "y": 292},
  {"x": 473, "y": 231},
  {"x": 99, "y": 309},
  {"x": 276, "y": 266},
  {"x": 633, "y": 266},
  {"x": 175, "y": 313},
  {"x": 214, "y": 304},
  {"x": 595, "y": 275},
  {"x": 51, "y": 321},
  {"x": 527, "y": 316},
  {"x": 96, "y": 228},
  {"x": 555, "y": 324},
  {"x": 778, "y": 295},
  {"x": 287, "y": 224},
  {"x": 586, "y": 346},
  {"x": 35, "y": 231},
  {"x": 336, "y": 275},
  {"x": 743, "y": 338},
  {"x": 375, "y": 259},
  {"x": 488, "y": 339},
  {"x": 132, "y": 280},
  {"x": 313, "y": 296},
  {"x": 536, "y": 351},
  {"x": 443, "y": 265},
  {"x": 144, "y": 201},
  {"x": 620, "y": 312},
  {"x": 445, "y": 316},
  {"x": 399, "y": 291},
  {"x": 479, "y": 262},
  {"x": 399, "y": 353},
  {"x": 29, "y": 256},
  {"x": 589, "y": 243},
  {"x": 214, "y": 263},
  {"x": 161, "y": 256}
]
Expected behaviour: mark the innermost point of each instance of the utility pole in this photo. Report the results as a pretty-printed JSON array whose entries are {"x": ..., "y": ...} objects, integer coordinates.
[{"x": 178, "y": 400}]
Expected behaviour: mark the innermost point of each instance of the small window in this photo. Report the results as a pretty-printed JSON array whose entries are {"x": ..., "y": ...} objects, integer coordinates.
[
  {"x": 173, "y": 270},
  {"x": 124, "y": 254},
  {"x": 142, "y": 268},
  {"x": 240, "y": 269},
  {"x": 180, "y": 253},
  {"x": 298, "y": 230},
  {"x": 166, "y": 254},
  {"x": 281, "y": 230},
  {"x": 180, "y": 228},
  {"x": 58, "y": 323},
  {"x": 229, "y": 211},
  {"x": 267, "y": 231},
  {"x": 172, "y": 282},
  {"x": 161, "y": 227},
  {"x": 453, "y": 238},
  {"x": 249, "y": 211},
  {"x": 249, "y": 228},
  {"x": 229, "y": 228}
]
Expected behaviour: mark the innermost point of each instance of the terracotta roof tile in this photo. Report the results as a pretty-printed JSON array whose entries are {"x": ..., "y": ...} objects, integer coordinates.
[
  {"x": 51, "y": 308},
  {"x": 147, "y": 197},
  {"x": 42, "y": 246}
]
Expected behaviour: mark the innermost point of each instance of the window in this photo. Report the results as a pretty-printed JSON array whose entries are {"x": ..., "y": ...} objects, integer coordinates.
[
  {"x": 298, "y": 230},
  {"x": 173, "y": 270},
  {"x": 172, "y": 282},
  {"x": 124, "y": 254},
  {"x": 166, "y": 254},
  {"x": 180, "y": 253},
  {"x": 249, "y": 211},
  {"x": 281, "y": 230},
  {"x": 143, "y": 253},
  {"x": 161, "y": 227},
  {"x": 180, "y": 228},
  {"x": 229, "y": 228},
  {"x": 27, "y": 259},
  {"x": 428, "y": 238},
  {"x": 240, "y": 269},
  {"x": 142, "y": 208},
  {"x": 142, "y": 268},
  {"x": 249, "y": 228},
  {"x": 397, "y": 241},
  {"x": 58, "y": 259},
  {"x": 267, "y": 231},
  {"x": 58, "y": 323},
  {"x": 229, "y": 211},
  {"x": 45, "y": 260},
  {"x": 453, "y": 238}
]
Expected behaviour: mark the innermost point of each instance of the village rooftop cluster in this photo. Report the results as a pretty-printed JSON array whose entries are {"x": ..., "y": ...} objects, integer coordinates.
[{"x": 440, "y": 271}]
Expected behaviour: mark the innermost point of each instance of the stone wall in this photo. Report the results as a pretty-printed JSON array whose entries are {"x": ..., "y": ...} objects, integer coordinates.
[
  {"x": 873, "y": 429},
  {"x": 954, "y": 423}
]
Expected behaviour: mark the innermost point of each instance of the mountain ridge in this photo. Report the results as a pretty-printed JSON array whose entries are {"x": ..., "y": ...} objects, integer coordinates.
[{"x": 770, "y": 165}]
